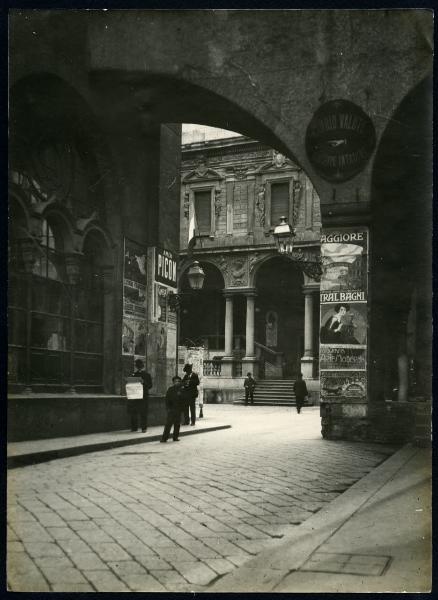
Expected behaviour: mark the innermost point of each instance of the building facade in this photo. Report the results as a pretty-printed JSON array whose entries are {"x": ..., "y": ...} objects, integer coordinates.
[{"x": 260, "y": 311}]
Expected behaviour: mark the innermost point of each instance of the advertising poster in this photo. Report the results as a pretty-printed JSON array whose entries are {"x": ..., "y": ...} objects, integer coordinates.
[
  {"x": 134, "y": 280},
  {"x": 161, "y": 302},
  {"x": 344, "y": 324},
  {"x": 344, "y": 315},
  {"x": 343, "y": 385},
  {"x": 345, "y": 266},
  {"x": 134, "y": 326},
  {"x": 194, "y": 356},
  {"x": 335, "y": 358}
]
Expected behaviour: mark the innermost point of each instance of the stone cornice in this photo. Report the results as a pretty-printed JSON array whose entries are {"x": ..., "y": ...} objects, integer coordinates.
[{"x": 311, "y": 244}]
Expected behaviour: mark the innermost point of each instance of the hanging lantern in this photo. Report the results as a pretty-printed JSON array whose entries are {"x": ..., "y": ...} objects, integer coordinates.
[
  {"x": 196, "y": 276},
  {"x": 284, "y": 237}
]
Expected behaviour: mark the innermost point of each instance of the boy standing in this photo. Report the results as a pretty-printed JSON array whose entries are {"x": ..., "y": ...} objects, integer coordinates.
[{"x": 175, "y": 401}]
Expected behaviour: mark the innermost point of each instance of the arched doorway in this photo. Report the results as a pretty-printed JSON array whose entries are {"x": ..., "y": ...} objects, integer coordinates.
[
  {"x": 401, "y": 311},
  {"x": 279, "y": 322},
  {"x": 202, "y": 312}
]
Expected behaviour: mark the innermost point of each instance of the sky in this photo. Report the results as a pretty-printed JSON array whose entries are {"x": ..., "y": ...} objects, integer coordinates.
[{"x": 191, "y": 132}]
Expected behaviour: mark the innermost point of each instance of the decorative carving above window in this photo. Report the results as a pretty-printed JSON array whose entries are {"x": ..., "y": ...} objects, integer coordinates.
[
  {"x": 240, "y": 171},
  {"x": 202, "y": 167},
  {"x": 278, "y": 159}
]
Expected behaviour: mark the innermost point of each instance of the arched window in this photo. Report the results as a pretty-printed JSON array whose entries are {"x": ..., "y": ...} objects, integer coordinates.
[
  {"x": 50, "y": 336},
  {"x": 55, "y": 324}
]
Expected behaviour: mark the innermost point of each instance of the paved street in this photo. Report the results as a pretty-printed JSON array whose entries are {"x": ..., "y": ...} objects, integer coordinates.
[{"x": 175, "y": 516}]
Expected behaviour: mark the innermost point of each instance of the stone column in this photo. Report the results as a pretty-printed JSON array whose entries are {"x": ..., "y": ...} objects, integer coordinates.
[
  {"x": 228, "y": 359},
  {"x": 307, "y": 361},
  {"x": 228, "y": 325},
  {"x": 308, "y": 323},
  {"x": 403, "y": 377},
  {"x": 250, "y": 301},
  {"x": 249, "y": 362}
]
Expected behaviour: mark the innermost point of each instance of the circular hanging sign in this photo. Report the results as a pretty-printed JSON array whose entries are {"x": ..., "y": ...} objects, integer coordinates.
[{"x": 340, "y": 139}]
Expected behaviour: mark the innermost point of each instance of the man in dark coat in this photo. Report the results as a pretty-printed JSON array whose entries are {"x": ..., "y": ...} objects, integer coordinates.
[
  {"x": 300, "y": 390},
  {"x": 139, "y": 408},
  {"x": 190, "y": 383},
  {"x": 175, "y": 403},
  {"x": 249, "y": 385}
]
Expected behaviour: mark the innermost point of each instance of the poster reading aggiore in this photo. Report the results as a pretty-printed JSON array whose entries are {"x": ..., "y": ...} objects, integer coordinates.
[
  {"x": 344, "y": 314},
  {"x": 134, "y": 325}
]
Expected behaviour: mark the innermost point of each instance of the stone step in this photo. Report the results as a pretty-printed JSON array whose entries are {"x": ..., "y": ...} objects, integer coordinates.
[
  {"x": 274, "y": 395},
  {"x": 271, "y": 403}
]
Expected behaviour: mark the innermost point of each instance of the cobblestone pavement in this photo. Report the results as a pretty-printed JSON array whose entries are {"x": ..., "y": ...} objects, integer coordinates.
[{"x": 175, "y": 517}]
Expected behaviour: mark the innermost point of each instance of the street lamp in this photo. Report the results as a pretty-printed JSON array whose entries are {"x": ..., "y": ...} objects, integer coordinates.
[
  {"x": 196, "y": 278},
  {"x": 284, "y": 237}
]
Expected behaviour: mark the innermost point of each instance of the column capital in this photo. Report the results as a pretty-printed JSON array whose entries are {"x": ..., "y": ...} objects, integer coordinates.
[
  {"x": 310, "y": 288},
  {"x": 242, "y": 291}
]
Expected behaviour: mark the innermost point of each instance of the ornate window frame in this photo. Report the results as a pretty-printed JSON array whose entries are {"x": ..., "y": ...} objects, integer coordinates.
[
  {"x": 267, "y": 180},
  {"x": 203, "y": 187}
]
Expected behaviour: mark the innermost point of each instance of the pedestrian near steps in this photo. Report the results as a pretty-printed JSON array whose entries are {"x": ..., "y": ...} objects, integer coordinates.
[
  {"x": 175, "y": 404},
  {"x": 301, "y": 393},
  {"x": 249, "y": 385}
]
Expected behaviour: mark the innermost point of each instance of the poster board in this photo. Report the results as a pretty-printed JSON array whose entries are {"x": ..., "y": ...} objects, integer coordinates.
[
  {"x": 134, "y": 324},
  {"x": 344, "y": 314},
  {"x": 134, "y": 388}
]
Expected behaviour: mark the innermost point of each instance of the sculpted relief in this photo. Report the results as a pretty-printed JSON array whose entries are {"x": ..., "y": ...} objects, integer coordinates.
[
  {"x": 234, "y": 270},
  {"x": 260, "y": 205}
]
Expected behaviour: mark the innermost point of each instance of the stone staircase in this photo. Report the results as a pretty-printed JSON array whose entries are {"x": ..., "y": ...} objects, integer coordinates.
[{"x": 275, "y": 392}]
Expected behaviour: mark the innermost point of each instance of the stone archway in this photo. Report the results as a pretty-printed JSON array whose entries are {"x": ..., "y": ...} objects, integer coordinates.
[
  {"x": 401, "y": 311},
  {"x": 279, "y": 316},
  {"x": 202, "y": 312}
]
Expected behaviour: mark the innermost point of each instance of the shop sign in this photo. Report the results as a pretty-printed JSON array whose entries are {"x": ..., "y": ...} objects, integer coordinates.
[
  {"x": 340, "y": 139},
  {"x": 166, "y": 267}
]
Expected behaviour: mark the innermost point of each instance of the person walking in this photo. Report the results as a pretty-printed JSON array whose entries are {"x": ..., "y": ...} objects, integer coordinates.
[
  {"x": 139, "y": 408},
  {"x": 175, "y": 403},
  {"x": 249, "y": 385},
  {"x": 301, "y": 393},
  {"x": 190, "y": 383}
]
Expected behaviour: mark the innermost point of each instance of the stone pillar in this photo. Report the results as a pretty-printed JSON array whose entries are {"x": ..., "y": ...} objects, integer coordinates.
[
  {"x": 249, "y": 362},
  {"x": 250, "y": 301},
  {"x": 308, "y": 360},
  {"x": 403, "y": 377},
  {"x": 228, "y": 326}
]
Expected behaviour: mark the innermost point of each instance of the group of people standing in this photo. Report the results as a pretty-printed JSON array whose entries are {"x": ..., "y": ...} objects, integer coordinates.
[{"x": 180, "y": 401}]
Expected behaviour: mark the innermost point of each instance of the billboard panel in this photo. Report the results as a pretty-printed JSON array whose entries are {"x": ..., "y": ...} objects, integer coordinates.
[{"x": 344, "y": 314}]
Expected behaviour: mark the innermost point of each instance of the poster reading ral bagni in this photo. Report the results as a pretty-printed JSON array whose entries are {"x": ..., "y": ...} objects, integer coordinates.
[{"x": 344, "y": 314}]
